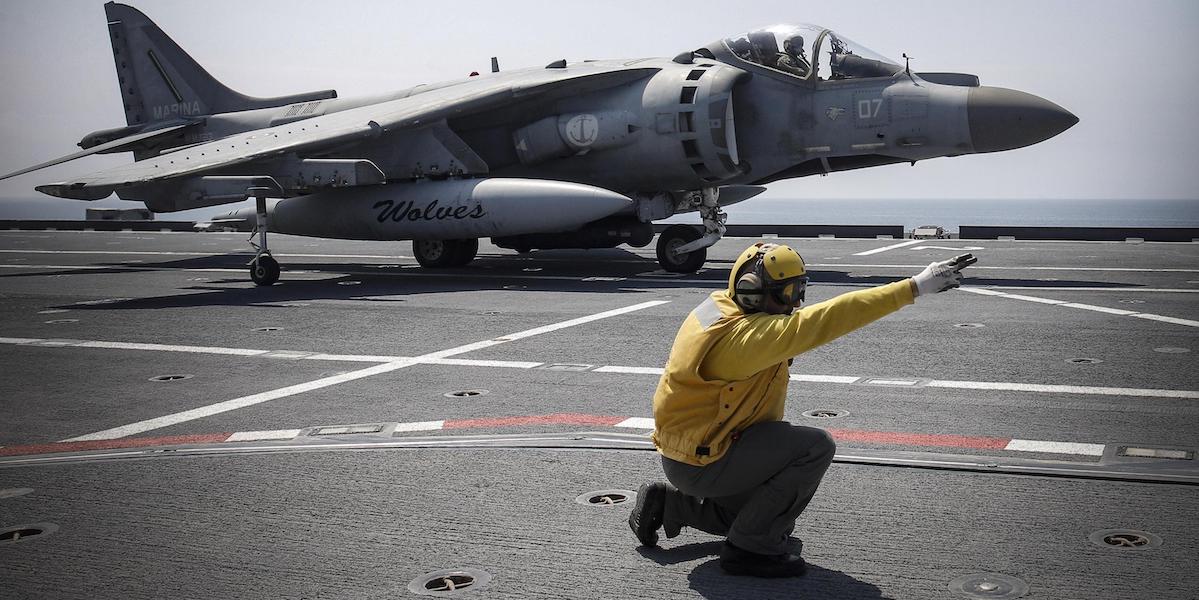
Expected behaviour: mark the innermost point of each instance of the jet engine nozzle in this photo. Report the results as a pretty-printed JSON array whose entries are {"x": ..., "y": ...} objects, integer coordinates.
[{"x": 1002, "y": 119}]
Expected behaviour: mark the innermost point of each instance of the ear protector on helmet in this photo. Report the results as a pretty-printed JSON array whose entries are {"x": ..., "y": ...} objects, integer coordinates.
[
  {"x": 748, "y": 291},
  {"x": 776, "y": 273}
]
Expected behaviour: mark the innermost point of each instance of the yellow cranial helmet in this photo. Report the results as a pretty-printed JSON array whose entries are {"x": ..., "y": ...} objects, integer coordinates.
[{"x": 768, "y": 278}]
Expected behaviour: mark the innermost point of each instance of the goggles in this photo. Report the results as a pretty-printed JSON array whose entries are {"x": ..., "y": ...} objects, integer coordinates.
[{"x": 788, "y": 292}]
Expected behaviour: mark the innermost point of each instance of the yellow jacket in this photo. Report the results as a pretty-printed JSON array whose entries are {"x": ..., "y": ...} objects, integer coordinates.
[{"x": 728, "y": 370}]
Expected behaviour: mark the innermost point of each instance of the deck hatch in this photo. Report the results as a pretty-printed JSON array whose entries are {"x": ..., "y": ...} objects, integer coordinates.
[
  {"x": 605, "y": 497},
  {"x": 449, "y": 582},
  {"x": 465, "y": 393},
  {"x": 1125, "y": 539}
]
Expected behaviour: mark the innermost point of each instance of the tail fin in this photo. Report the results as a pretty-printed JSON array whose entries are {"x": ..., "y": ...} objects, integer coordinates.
[{"x": 160, "y": 82}]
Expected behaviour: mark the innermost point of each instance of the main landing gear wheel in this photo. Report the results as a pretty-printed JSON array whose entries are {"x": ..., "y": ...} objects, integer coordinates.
[
  {"x": 264, "y": 270},
  {"x": 674, "y": 237},
  {"x": 440, "y": 254}
]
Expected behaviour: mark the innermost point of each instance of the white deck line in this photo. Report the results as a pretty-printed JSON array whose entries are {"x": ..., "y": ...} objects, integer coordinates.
[
  {"x": 19, "y": 341},
  {"x": 1120, "y": 290},
  {"x": 244, "y": 401},
  {"x": 262, "y": 436},
  {"x": 354, "y": 357},
  {"x": 236, "y": 403},
  {"x": 1064, "y": 389},
  {"x": 655, "y": 371},
  {"x": 400, "y": 257},
  {"x": 993, "y": 268},
  {"x": 824, "y": 378},
  {"x": 421, "y": 426},
  {"x": 633, "y": 370},
  {"x": 1173, "y": 320},
  {"x": 213, "y": 253},
  {"x": 127, "y": 267},
  {"x": 467, "y": 362},
  {"x": 1103, "y": 309},
  {"x": 171, "y": 348},
  {"x": 637, "y": 423},
  {"x": 891, "y": 247},
  {"x": 1056, "y": 447}
]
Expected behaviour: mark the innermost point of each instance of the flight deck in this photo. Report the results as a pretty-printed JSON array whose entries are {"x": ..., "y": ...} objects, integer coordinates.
[{"x": 369, "y": 428}]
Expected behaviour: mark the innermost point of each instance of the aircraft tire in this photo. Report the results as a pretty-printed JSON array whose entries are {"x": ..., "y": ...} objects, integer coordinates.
[
  {"x": 673, "y": 237},
  {"x": 442, "y": 254},
  {"x": 264, "y": 270},
  {"x": 467, "y": 251}
]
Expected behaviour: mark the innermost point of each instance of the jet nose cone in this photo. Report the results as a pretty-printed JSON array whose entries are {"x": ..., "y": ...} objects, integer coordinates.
[{"x": 1003, "y": 119}]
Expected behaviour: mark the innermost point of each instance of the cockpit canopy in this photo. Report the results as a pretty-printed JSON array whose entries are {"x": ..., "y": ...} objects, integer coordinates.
[{"x": 807, "y": 51}]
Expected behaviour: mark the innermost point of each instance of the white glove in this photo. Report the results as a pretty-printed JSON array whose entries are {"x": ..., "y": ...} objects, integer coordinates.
[{"x": 944, "y": 275}]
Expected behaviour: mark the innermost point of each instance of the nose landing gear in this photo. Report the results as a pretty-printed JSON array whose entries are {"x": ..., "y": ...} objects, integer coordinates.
[{"x": 682, "y": 249}]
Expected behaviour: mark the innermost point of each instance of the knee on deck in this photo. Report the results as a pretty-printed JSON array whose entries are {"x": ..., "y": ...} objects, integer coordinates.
[{"x": 824, "y": 447}]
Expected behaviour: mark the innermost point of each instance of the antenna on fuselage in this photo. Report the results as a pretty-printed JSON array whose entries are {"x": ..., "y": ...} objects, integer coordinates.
[
  {"x": 907, "y": 67},
  {"x": 495, "y": 64}
]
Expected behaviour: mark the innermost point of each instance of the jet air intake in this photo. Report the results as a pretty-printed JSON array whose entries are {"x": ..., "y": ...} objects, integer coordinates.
[
  {"x": 444, "y": 210},
  {"x": 1002, "y": 119}
]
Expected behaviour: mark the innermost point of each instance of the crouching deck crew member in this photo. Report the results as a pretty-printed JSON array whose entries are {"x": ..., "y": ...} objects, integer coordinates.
[{"x": 738, "y": 470}]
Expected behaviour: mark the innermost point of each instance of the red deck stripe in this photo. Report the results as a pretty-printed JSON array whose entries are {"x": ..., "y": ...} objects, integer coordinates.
[
  {"x": 919, "y": 439},
  {"x": 559, "y": 419},
  {"x": 113, "y": 444}
]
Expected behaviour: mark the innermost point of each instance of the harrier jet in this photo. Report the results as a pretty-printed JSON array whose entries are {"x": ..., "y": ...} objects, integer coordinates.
[{"x": 569, "y": 155}]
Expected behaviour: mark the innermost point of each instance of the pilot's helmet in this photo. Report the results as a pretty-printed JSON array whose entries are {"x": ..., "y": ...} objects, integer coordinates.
[{"x": 769, "y": 278}]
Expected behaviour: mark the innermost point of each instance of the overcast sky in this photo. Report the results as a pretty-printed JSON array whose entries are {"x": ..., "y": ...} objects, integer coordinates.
[{"x": 1127, "y": 69}]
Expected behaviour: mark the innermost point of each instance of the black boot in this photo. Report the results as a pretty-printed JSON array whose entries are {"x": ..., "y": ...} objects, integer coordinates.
[
  {"x": 646, "y": 517},
  {"x": 736, "y": 561}
]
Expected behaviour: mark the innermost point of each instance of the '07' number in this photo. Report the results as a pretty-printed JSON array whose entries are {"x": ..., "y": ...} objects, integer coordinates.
[{"x": 868, "y": 109}]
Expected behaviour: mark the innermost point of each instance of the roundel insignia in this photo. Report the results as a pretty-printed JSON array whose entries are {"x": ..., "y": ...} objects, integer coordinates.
[{"x": 582, "y": 130}]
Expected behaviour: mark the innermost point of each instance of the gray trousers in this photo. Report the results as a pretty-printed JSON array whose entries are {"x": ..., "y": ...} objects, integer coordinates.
[{"x": 754, "y": 493}]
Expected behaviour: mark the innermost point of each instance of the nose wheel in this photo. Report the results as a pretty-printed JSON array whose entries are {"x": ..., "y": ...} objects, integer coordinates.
[
  {"x": 683, "y": 249},
  {"x": 669, "y": 242}
]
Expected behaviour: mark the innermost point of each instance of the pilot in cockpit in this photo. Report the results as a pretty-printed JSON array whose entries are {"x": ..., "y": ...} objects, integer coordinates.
[{"x": 793, "y": 60}]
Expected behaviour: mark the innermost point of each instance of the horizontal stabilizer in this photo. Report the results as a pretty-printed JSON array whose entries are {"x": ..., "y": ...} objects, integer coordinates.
[{"x": 117, "y": 145}]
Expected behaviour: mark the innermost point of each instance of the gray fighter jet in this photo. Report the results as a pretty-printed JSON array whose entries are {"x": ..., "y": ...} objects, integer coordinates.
[{"x": 570, "y": 155}]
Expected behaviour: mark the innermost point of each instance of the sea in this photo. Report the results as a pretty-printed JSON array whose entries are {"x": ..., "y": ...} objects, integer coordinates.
[
  {"x": 951, "y": 214},
  {"x": 910, "y": 213}
]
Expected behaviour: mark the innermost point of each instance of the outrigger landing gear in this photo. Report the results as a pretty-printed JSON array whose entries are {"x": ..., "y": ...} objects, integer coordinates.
[
  {"x": 264, "y": 269},
  {"x": 681, "y": 249}
]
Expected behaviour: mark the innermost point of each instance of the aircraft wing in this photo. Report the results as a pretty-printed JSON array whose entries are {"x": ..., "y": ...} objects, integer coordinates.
[
  {"x": 113, "y": 146},
  {"x": 338, "y": 128}
]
